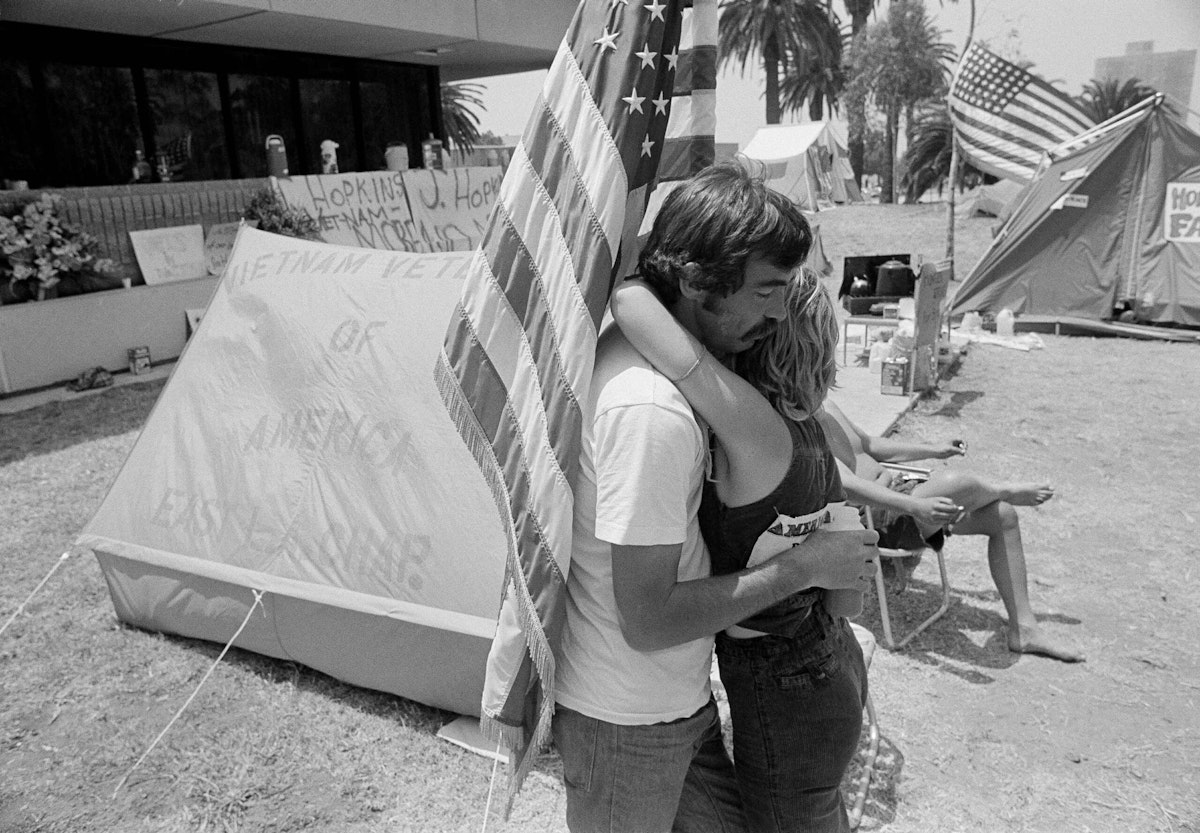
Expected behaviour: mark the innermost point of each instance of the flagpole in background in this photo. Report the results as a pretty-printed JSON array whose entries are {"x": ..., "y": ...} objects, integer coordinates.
[{"x": 954, "y": 163}]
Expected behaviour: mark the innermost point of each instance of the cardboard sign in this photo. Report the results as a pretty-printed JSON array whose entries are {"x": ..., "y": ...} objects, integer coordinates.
[
  {"x": 402, "y": 211},
  {"x": 218, "y": 243},
  {"x": 169, "y": 254},
  {"x": 1181, "y": 214}
]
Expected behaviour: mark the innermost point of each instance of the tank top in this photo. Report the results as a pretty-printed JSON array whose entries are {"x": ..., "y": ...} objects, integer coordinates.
[{"x": 795, "y": 508}]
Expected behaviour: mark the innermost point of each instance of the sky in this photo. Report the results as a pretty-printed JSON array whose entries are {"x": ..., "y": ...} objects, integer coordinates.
[{"x": 1063, "y": 38}]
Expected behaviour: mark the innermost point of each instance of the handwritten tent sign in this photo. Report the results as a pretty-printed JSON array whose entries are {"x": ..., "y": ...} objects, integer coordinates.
[
  {"x": 402, "y": 211},
  {"x": 1181, "y": 217},
  {"x": 169, "y": 254},
  {"x": 330, "y": 477}
]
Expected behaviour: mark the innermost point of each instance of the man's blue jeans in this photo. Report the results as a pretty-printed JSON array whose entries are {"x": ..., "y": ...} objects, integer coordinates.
[
  {"x": 797, "y": 706},
  {"x": 647, "y": 779}
]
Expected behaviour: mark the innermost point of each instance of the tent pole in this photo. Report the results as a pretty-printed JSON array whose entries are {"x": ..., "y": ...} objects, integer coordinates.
[{"x": 954, "y": 161}]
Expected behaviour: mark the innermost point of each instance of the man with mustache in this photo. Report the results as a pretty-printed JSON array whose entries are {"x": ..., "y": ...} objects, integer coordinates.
[{"x": 635, "y": 723}]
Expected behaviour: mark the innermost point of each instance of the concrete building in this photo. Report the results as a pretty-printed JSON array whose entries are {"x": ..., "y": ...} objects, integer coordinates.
[
  {"x": 1177, "y": 74},
  {"x": 196, "y": 86}
]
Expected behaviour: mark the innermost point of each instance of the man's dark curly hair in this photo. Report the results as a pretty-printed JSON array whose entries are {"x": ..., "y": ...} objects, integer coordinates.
[{"x": 719, "y": 219}]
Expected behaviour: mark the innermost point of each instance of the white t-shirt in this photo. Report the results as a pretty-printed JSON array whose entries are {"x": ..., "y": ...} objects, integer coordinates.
[{"x": 639, "y": 483}]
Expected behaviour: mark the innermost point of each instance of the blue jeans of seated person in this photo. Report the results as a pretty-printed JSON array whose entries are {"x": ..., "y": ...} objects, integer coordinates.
[
  {"x": 652, "y": 778},
  {"x": 797, "y": 707}
]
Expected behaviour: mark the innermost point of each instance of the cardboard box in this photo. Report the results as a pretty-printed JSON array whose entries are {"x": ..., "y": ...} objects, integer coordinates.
[
  {"x": 894, "y": 376},
  {"x": 139, "y": 359}
]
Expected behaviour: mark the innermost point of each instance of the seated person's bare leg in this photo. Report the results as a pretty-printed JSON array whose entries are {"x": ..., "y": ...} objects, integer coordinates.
[
  {"x": 973, "y": 492},
  {"x": 1006, "y": 560}
]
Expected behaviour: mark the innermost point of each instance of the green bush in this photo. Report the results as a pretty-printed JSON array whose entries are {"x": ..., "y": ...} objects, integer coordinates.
[
  {"x": 38, "y": 251},
  {"x": 275, "y": 216}
]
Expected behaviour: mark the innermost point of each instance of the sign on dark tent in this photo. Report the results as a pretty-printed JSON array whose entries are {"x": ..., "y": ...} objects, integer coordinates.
[
  {"x": 1111, "y": 223},
  {"x": 301, "y": 448}
]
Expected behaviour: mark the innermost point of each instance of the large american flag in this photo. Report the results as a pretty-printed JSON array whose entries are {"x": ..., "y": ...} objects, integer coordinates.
[
  {"x": 519, "y": 352},
  {"x": 1006, "y": 118}
]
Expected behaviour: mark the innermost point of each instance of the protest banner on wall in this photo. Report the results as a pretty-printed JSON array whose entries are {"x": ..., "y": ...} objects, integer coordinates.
[{"x": 404, "y": 211}]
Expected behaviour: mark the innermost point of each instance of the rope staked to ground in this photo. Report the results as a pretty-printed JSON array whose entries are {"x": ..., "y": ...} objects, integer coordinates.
[
  {"x": 41, "y": 584},
  {"x": 258, "y": 594}
]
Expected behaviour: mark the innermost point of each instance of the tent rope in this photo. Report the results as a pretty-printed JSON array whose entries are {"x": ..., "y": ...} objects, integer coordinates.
[
  {"x": 258, "y": 594},
  {"x": 491, "y": 788},
  {"x": 41, "y": 584}
]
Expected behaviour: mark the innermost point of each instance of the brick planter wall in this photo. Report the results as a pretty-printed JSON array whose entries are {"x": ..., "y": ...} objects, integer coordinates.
[{"x": 110, "y": 213}]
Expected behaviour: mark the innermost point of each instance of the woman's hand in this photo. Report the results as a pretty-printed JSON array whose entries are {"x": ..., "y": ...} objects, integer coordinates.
[
  {"x": 934, "y": 511},
  {"x": 954, "y": 448}
]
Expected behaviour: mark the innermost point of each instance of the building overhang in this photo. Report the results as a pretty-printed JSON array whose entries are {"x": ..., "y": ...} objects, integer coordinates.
[{"x": 464, "y": 38}]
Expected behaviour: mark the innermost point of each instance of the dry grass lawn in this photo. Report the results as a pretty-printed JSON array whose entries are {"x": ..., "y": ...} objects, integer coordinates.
[{"x": 975, "y": 738}]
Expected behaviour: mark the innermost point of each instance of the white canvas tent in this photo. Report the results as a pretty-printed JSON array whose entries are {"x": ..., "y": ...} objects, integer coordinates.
[
  {"x": 994, "y": 200},
  {"x": 808, "y": 162},
  {"x": 301, "y": 448}
]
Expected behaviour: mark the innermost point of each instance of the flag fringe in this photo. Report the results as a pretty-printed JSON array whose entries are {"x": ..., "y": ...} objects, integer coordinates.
[{"x": 521, "y": 755}]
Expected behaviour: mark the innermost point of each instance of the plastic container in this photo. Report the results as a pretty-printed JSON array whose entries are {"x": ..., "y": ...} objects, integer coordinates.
[
  {"x": 1004, "y": 323},
  {"x": 880, "y": 350},
  {"x": 848, "y": 603},
  {"x": 396, "y": 156},
  {"x": 277, "y": 164}
]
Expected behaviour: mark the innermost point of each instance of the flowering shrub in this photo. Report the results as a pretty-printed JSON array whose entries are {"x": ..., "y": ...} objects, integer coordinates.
[
  {"x": 274, "y": 215},
  {"x": 37, "y": 250}
]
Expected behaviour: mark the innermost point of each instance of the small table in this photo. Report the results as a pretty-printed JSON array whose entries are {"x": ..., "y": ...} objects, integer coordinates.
[{"x": 867, "y": 322}]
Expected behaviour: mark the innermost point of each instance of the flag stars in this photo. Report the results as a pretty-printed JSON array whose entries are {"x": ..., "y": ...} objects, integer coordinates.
[
  {"x": 672, "y": 58},
  {"x": 660, "y": 104},
  {"x": 607, "y": 41},
  {"x": 634, "y": 101},
  {"x": 647, "y": 144},
  {"x": 647, "y": 57},
  {"x": 656, "y": 10}
]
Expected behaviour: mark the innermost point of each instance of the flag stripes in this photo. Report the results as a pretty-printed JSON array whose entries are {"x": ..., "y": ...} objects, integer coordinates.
[
  {"x": 691, "y": 129},
  {"x": 1006, "y": 118},
  {"x": 518, "y": 355}
]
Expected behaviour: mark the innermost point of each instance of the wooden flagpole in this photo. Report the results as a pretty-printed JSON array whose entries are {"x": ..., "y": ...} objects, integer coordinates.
[{"x": 954, "y": 161}]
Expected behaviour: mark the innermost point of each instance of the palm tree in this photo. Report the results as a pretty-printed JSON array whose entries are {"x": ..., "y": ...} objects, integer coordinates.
[
  {"x": 459, "y": 118},
  {"x": 1104, "y": 98},
  {"x": 817, "y": 73},
  {"x": 928, "y": 158},
  {"x": 859, "y": 11},
  {"x": 774, "y": 30},
  {"x": 896, "y": 63}
]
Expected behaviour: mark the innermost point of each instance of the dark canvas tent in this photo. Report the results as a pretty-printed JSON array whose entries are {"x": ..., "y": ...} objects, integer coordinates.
[{"x": 1111, "y": 221}]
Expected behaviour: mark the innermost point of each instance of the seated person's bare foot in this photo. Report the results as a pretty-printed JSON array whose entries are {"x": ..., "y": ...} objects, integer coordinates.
[
  {"x": 1028, "y": 494},
  {"x": 1033, "y": 641}
]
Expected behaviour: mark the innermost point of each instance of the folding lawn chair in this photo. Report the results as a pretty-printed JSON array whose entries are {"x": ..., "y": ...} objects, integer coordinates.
[{"x": 881, "y": 585}]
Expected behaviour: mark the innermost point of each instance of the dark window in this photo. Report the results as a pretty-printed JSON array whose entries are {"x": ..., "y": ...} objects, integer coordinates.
[
  {"x": 93, "y": 124},
  {"x": 78, "y": 105},
  {"x": 189, "y": 133},
  {"x": 262, "y": 107},
  {"x": 385, "y": 117},
  {"x": 326, "y": 114},
  {"x": 18, "y": 138}
]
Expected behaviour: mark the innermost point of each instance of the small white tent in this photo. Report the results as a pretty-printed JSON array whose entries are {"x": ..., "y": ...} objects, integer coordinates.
[
  {"x": 993, "y": 200},
  {"x": 301, "y": 448},
  {"x": 808, "y": 162}
]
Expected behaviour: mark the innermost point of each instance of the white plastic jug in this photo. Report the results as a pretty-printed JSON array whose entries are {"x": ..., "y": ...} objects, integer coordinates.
[{"x": 1004, "y": 323}]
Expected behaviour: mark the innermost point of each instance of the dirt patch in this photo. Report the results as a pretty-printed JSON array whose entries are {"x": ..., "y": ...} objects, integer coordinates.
[{"x": 978, "y": 738}]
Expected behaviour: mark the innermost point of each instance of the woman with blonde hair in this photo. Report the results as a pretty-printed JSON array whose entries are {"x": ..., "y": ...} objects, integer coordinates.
[{"x": 793, "y": 673}]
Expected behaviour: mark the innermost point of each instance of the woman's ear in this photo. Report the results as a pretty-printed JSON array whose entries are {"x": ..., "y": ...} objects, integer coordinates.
[{"x": 687, "y": 282}]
